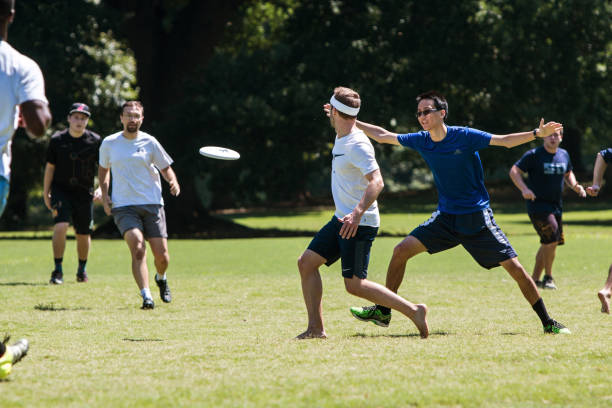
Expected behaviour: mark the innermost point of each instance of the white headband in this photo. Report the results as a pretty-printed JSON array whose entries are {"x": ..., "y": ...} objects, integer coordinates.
[{"x": 342, "y": 107}]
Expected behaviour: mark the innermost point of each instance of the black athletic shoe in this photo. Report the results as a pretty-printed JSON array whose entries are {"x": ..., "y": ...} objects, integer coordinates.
[
  {"x": 82, "y": 277},
  {"x": 57, "y": 278},
  {"x": 148, "y": 304},
  {"x": 164, "y": 290},
  {"x": 548, "y": 282}
]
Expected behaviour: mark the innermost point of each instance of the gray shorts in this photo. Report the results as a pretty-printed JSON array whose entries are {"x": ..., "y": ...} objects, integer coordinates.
[{"x": 149, "y": 218}]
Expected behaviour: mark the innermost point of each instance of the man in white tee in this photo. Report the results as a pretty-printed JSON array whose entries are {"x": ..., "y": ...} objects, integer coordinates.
[
  {"x": 135, "y": 160},
  {"x": 22, "y": 98},
  {"x": 356, "y": 183}
]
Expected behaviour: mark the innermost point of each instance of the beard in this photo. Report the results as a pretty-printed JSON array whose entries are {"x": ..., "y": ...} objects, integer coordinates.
[{"x": 132, "y": 128}]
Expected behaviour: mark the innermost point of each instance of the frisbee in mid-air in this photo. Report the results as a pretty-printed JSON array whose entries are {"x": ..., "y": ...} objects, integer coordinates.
[{"x": 221, "y": 153}]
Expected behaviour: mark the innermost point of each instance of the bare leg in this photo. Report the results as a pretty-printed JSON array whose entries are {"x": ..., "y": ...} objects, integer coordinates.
[
  {"x": 83, "y": 244},
  {"x": 522, "y": 278},
  {"x": 380, "y": 295},
  {"x": 604, "y": 294},
  {"x": 159, "y": 247},
  {"x": 138, "y": 248},
  {"x": 544, "y": 260},
  {"x": 312, "y": 289},
  {"x": 59, "y": 239},
  {"x": 403, "y": 251}
]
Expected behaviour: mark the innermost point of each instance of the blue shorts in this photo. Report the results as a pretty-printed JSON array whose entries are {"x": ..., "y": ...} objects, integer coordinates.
[
  {"x": 5, "y": 186},
  {"x": 477, "y": 232},
  {"x": 354, "y": 252}
]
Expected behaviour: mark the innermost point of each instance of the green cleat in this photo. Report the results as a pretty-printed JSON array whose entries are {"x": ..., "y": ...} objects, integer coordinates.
[
  {"x": 371, "y": 314},
  {"x": 554, "y": 327}
]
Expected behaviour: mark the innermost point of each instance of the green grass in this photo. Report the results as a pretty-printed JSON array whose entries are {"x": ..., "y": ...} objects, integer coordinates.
[{"x": 227, "y": 338}]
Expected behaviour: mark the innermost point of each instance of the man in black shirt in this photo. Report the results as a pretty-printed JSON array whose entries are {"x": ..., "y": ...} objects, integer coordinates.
[{"x": 72, "y": 159}]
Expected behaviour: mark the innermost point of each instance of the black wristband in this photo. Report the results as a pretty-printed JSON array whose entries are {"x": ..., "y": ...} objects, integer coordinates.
[{"x": 535, "y": 132}]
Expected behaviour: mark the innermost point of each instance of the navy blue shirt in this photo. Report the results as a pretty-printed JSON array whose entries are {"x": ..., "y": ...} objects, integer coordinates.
[
  {"x": 456, "y": 167},
  {"x": 607, "y": 154},
  {"x": 545, "y": 175}
]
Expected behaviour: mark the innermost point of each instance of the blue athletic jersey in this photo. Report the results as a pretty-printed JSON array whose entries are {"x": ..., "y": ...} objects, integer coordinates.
[
  {"x": 455, "y": 165},
  {"x": 545, "y": 174},
  {"x": 607, "y": 154}
]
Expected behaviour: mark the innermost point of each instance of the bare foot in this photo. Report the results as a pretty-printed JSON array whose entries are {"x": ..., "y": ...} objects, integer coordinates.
[
  {"x": 604, "y": 298},
  {"x": 310, "y": 335},
  {"x": 420, "y": 320}
]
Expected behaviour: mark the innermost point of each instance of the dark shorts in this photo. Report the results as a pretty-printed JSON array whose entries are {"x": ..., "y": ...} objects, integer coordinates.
[
  {"x": 549, "y": 227},
  {"x": 354, "y": 252},
  {"x": 75, "y": 205},
  {"x": 148, "y": 218},
  {"x": 477, "y": 232},
  {"x": 4, "y": 192}
]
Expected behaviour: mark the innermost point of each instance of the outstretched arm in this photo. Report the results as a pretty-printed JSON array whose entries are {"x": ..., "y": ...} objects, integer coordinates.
[
  {"x": 516, "y": 175},
  {"x": 516, "y": 139},
  {"x": 598, "y": 172},
  {"x": 350, "y": 222},
  {"x": 571, "y": 181},
  {"x": 377, "y": 133}
]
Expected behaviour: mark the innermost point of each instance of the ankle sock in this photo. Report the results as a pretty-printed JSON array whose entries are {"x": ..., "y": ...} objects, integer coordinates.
[
  {"x": 58, "y": 264},
  {"x": 160, "y": 277},
  {"x": 82, "y": 264},
  {"x": 146, "y": 293},
  {"x": 383, "y": 309}
]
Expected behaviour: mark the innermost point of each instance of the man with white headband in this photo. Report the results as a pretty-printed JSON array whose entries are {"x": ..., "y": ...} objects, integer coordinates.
[
  {"x": 464, "y": 216},
  {"x": 356, "y": 183}
]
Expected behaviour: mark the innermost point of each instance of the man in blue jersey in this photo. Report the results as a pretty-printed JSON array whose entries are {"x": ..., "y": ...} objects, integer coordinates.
[
  {"x": 463, "y": 215},
  {"x": 601, "y": 163},
  {"x": 547, "y": 167}
]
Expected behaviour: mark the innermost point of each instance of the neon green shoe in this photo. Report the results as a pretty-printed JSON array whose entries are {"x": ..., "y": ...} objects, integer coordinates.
[
  {"x": 12, "y": 355},
  {"x": 554, "y": 327},
  {"x": 371, "y": 314}
]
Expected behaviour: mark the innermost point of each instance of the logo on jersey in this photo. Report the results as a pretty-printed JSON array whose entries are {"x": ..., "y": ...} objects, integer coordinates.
[{"x": 555, "y": 168}]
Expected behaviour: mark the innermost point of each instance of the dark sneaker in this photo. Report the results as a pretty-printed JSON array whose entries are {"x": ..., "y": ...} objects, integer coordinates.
[
  {"x": 82, "y": 277},
  {"x": 554, "y": 327},
  {"x": 539, "y": 284},
  {"x": 371, "y": 314},
  {"x": 57, "y": 278},
  {"x": 164, "y": 290},
  {"x": 548, "y": 282},
  {"x": 148, "y": 304}
]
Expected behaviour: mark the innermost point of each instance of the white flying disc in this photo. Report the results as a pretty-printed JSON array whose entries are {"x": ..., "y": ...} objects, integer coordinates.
[{"x": 221, "y": 153}]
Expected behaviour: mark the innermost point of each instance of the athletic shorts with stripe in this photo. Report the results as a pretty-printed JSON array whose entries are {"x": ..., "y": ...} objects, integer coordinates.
[
  {"x": 354, "y": 252},
  {"x": 477, "y": 232}
]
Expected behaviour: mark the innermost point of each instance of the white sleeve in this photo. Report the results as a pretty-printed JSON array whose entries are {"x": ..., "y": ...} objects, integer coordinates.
[
  {"x": 104, "y": 155},
  {"x": 363, "y": 157},
  {"x": 31, "y": 84},
  {"x": 161, "y": 159}
]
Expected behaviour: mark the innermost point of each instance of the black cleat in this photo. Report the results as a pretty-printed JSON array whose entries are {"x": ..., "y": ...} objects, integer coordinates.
[
  {"x": 164, "y": 290},
  {"x": 57, "y": 278},
  {"x": 82, "y": 277},
  {"x": 148, "y": 304}
]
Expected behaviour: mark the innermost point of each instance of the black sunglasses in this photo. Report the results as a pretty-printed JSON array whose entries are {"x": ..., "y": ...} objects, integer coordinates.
[{"x": 425, "y": 112}]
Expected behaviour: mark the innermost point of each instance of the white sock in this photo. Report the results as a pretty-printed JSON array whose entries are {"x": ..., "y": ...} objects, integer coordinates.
[
  {"x": 160, "y": 277},
  {"x": 146, "y": 293}
]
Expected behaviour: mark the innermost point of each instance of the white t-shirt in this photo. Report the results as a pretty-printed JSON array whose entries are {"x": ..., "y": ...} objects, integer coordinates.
[
  {"x": 353, "y": 159},
  {"x": 20, "y": 81},
  {"x": 134, "y": 164}
]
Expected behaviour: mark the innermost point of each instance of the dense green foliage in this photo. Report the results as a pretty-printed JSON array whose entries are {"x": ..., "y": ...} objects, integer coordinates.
[{"x": 258, "y": 82}]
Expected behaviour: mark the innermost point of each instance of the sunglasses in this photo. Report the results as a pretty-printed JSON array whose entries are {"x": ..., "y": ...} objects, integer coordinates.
[{"x": 425, "y": 112}]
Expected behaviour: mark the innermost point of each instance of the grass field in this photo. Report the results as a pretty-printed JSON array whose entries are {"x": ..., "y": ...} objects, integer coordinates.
[{"x": 227, "y": 338}]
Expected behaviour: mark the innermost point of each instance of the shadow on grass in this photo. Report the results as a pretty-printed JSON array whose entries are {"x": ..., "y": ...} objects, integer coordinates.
[
  {"x": 140, "y": 339},
  {"x": 22, "y": 284},
  {"x": 433, "y": 333},
  {"x": 50, "y": 307}
]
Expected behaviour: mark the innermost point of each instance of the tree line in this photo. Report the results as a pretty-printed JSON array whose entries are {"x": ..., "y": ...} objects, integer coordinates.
[{"x": 253, "y": 75}]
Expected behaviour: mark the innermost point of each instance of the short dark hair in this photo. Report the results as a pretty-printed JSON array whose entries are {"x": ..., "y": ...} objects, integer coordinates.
[
  {"x": 7, "y": 7},
  {"x": 348, "y": 97},
  {"x": 136, "y": 104},
  {"x": 439, "y": 100}
]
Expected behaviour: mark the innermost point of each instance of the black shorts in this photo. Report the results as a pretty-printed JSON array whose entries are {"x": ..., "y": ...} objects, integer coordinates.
[
  {"x": 477, "y": 232},
  {"x": 354, "y": 252},
  {"x": 75, "y": 205},
  {"x": 549, "y": 227}
]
